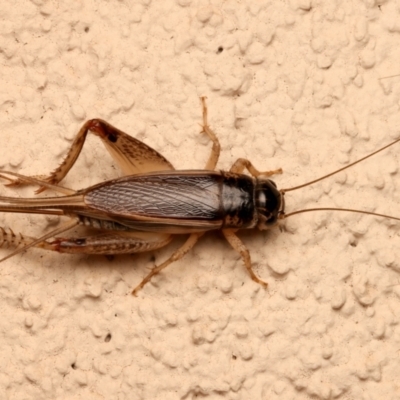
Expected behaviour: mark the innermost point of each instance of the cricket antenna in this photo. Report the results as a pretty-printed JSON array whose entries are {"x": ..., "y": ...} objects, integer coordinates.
[
  {"x": 282, "y": 214},
  {"x": 387, "y": 77},
  {"x": 283, "y": 191}
]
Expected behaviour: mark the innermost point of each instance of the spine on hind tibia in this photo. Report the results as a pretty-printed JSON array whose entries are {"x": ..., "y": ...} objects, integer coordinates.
[{"x": 9, "y": 239}]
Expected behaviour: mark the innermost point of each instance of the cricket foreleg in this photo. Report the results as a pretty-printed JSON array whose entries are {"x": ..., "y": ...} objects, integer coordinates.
[
  {"x": 241, "y": 164},
  {"x": 190, "y": 242},
  {"x": 238, "y": 245},
  {"x": 216, "y": 148}
]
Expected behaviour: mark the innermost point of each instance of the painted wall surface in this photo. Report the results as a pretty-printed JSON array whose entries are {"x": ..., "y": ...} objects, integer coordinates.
[{"x": 306, "y": 85}]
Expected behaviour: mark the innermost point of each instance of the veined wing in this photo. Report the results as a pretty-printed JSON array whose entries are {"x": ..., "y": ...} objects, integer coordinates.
[{"x": 178, "y": 198}]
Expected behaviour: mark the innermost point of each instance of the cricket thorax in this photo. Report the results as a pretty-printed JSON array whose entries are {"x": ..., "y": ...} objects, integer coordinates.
[{"x": 237, "y": 201}]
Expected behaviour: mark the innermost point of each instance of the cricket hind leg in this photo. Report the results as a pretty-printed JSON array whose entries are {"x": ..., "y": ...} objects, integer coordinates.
[
  {"x": 177, "y": 255},
  {"x": 33, "y": 180},
  {"x": 239, "y": 246},
  {"x": 111, "y": 243},
  {"x": 61, "y": 171},
  {"x": 9, "y": 239},
  {"x": 15, "y": 240},
  {"x": 132, "y": 155},
  {"x": 23, "y": 242}
]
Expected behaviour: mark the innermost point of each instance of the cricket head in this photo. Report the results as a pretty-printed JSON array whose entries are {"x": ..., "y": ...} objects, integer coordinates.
[{"x": 269, "y": 203}]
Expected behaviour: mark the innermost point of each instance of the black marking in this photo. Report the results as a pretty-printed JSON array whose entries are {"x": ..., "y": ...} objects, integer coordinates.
[{"x": 112, "y": 137}]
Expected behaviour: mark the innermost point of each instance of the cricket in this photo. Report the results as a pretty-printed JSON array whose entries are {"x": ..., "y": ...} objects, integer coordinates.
[{"x": 153, "y": 202}]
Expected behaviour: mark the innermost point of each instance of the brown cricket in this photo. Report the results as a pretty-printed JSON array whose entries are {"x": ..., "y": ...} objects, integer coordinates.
[{"x": 145, "y": 209}]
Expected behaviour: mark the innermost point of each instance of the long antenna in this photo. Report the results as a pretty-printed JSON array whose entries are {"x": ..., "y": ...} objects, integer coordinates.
[
  {"x": 284, "y": 216},
  {"x": 387, "y": 77},
  {"x": 341, "y": 169}
]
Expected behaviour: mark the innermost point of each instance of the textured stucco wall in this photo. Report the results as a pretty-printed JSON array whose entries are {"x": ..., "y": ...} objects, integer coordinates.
[{"x": 304, "y": 85}]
